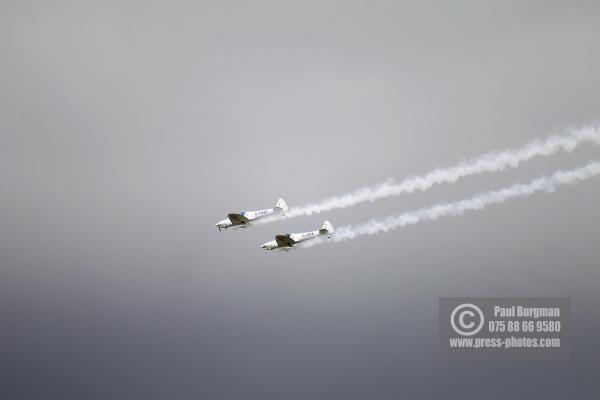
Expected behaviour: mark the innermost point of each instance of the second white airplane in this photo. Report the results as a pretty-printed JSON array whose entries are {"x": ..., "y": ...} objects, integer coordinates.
[{"x": 289, "y": 240}]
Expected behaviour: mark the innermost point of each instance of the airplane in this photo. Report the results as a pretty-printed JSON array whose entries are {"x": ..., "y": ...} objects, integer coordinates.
[
  {"x": 289, "y": 240},
  {"x": 243, "y": 218}
]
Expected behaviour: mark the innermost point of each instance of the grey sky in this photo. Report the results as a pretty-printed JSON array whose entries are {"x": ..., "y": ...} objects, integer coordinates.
[{"x": 127, "y": 129}]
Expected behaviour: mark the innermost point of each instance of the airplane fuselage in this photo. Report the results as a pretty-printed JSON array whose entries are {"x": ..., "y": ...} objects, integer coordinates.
[
  {"x": 296, "y": 237},
  {"x": 243, "y": 218},
  {"x": 250, "y": 216},
  {"x": 289, "y": 240}
]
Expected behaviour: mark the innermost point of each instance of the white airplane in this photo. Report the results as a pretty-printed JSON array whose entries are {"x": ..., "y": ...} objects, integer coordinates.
[
  {"x": 289, "y": 240},
  {"x": 243, "y": 218}
]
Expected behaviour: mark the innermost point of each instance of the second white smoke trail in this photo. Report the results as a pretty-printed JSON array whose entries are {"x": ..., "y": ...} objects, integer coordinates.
[
  {"x": 477, "y": 202},
  {"x": 490, "y": 162}
]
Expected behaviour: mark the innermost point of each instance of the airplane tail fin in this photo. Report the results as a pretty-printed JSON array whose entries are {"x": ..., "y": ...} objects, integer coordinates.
[
  {"x": 282, "y": 204},
  {"x": 326, "y": 229}
]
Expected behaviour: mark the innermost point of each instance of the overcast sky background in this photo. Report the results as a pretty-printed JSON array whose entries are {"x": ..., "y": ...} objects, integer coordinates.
[{"x": 127, "y": 129}]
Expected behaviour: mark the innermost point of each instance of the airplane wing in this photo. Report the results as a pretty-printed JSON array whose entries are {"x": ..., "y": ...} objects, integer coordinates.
[
  {"x": 237, "y": 219},
  {"x": 284, "y": 240}
]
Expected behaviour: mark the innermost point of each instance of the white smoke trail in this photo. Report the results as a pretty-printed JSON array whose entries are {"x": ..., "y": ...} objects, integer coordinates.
[
  {"x": 477, "y": 202},
  {"x": 490, "y": 162}
]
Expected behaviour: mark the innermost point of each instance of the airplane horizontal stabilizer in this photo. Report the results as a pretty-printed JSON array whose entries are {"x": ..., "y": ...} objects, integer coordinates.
[{"x": 282, "y": 204}]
